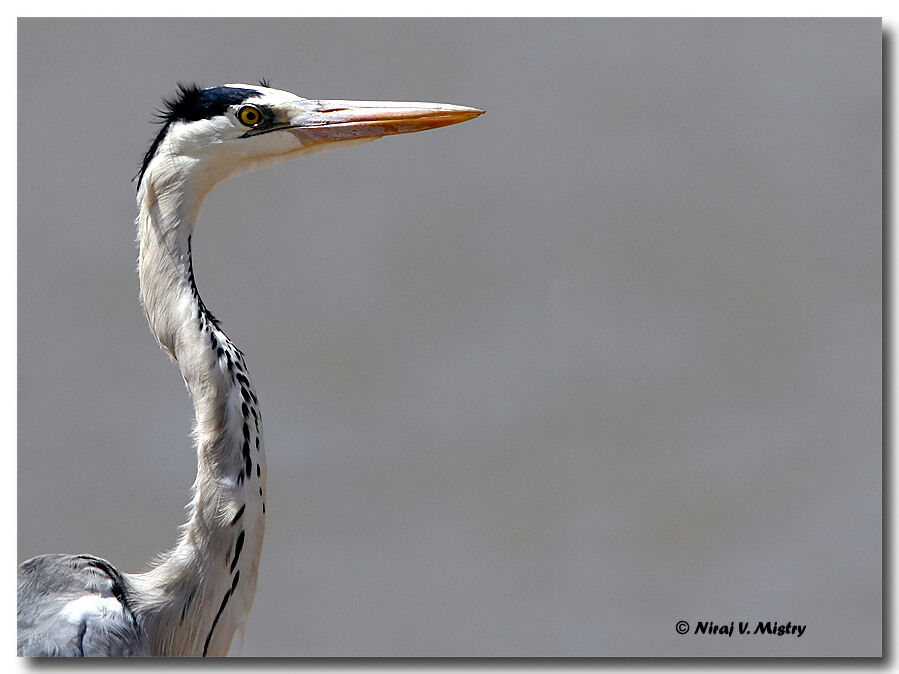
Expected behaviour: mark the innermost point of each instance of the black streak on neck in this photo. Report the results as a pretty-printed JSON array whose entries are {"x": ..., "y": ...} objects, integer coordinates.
[
  {"x": 219, "y": 614},
  {"x": 204, "y": 315}
]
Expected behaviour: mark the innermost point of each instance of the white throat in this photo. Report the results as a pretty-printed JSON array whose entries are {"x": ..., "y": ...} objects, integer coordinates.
[{"x": 199, "y": 593}]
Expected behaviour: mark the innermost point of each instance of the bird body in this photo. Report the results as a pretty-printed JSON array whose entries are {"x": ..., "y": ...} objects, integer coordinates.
[
  {"x": 77, "y": 605},
  {"x": 195, "y": 597}
]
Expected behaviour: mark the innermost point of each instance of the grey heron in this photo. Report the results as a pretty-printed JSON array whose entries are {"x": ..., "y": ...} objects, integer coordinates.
[{"x": 194, "y": 597}]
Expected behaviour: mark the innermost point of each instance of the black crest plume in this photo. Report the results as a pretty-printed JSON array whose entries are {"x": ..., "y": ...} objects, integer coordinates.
[{"x": 191, "y": 104}]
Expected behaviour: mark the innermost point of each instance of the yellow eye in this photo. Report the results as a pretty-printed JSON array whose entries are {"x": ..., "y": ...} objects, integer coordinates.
[{"x": 249, "y": 115}]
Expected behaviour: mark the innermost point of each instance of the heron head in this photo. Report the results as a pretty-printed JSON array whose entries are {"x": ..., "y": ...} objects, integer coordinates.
[{"x": 221, "y": 131}]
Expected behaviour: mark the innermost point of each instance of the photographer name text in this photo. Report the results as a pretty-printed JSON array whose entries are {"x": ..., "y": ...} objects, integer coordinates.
[{"x": 767, "y": 627}]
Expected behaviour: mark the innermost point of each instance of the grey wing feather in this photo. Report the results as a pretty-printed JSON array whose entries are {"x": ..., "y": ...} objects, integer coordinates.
[{"x": 74, "y": 606}]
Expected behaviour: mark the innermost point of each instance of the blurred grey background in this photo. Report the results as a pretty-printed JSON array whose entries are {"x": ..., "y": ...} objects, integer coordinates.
[{"x": 543, "y": 383}]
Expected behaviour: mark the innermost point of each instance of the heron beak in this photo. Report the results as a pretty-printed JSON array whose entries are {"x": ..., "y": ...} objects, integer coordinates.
[{"x": 325, "y": 121}]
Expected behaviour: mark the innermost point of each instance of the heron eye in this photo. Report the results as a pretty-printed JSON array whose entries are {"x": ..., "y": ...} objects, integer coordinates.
[{"x": 249, "y": 115}]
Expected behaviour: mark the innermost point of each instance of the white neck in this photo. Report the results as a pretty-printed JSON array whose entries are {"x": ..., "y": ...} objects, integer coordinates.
[{"x": 197, "y": 594}]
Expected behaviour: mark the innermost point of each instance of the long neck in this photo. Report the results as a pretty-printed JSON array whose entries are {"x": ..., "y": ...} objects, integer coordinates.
[{"x": 197, "y": 594}]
